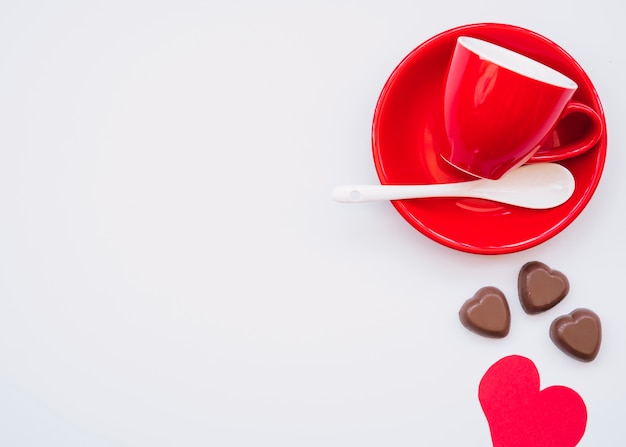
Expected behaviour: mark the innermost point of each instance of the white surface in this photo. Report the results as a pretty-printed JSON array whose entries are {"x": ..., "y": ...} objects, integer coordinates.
[{"x": 141, "y": 307}]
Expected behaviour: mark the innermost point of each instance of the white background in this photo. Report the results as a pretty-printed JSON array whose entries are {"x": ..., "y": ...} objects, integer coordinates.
[{"x": 173, "y": 271}]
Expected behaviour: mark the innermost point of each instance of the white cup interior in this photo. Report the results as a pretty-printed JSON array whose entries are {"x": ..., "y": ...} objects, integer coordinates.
[{"x": 516, "y": 62}]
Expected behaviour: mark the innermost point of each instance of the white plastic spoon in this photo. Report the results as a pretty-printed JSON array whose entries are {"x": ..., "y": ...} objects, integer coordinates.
[{"x": 538, "y": 186}]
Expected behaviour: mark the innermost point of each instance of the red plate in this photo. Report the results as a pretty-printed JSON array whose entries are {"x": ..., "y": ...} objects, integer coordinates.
[{"x": 407, "y": 134}]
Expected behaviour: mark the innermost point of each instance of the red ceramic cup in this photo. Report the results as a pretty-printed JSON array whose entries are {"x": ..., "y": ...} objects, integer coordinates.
[{"x": 499, "y": 106}]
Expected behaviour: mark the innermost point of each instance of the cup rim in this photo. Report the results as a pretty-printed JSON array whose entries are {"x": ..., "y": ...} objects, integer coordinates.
[{"x": 516, "y": 62}]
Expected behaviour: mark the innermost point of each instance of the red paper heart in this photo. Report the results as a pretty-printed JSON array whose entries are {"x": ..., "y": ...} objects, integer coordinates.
[{"x": 521, "y": 415}]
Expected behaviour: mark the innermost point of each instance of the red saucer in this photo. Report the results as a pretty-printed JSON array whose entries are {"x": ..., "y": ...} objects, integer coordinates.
[{"x": 407, "y": 132}]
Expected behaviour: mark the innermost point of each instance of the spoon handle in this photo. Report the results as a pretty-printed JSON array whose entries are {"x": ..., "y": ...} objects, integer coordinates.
[{"x": 368, "y": 193}]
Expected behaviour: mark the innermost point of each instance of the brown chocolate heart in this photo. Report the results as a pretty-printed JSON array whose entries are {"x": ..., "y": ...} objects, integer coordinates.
[
  {"x": 540, "y": 288},
  {"x": 578, "y": 334},
  {"x": 487, "y": 313}
]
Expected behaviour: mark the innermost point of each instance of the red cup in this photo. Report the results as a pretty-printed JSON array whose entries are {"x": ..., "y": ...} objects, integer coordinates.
[{"x": 499, "y": 106}]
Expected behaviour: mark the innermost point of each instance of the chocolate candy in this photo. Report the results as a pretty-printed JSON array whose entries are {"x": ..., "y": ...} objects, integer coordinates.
[
  {"x": 540, "y": 288},
  {"x": 487, "y": 313},
  {"x": 578, "y": 334}
]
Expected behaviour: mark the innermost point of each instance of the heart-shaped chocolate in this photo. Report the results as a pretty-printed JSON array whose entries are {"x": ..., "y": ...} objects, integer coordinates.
[
  {"x": 487, "y": 313},
  {"x": 540, "y": 288},
  {"x": 578, "y": 334},
  {"x": 520, "y": 414}
]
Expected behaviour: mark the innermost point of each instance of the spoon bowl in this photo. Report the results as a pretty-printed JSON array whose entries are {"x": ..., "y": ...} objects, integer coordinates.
[{"x": 535, "y": 186}]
